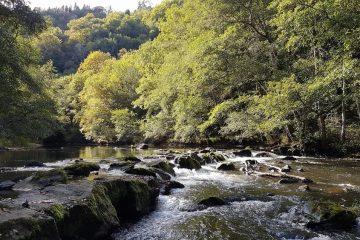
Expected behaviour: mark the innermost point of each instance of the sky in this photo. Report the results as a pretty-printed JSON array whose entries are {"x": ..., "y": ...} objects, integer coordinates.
[{"x": 119, "y": 5}]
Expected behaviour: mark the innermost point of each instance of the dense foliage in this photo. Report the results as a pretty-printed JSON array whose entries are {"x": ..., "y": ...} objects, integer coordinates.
[{"x": 264, "y": 71}]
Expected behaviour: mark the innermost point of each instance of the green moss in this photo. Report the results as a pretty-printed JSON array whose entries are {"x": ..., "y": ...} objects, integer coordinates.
[
  {"x": 55, "y": 175},
  {"x": 57, "y": 211},
  {"x": 82, "y": 169}
]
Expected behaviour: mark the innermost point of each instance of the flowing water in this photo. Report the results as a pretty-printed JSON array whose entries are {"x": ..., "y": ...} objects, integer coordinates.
[{"x": 258, "y": 208}]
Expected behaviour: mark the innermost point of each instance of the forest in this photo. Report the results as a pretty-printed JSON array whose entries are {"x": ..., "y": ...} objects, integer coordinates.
[{"x": 250, "y": 72}]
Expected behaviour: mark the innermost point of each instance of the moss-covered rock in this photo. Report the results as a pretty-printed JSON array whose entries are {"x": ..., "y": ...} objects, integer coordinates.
[
  {"x": 130, "y": 159},
  {"x": 28, "y": 226},
  {"x": 188, "y": 162},
  {"x": 166, "y": 166},
  {"x": 226, "y": 167},
  {"x": 332, "y": 216},
  {"x": 123, "y": 166},
  {"x": 50, "y": 177},
  {"x": 212, "y": 201},
  {"x": 82, "y": 169},
  {"x": 141, "y": 172}
]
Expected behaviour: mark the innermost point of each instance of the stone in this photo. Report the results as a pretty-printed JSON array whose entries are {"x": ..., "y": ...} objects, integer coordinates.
[
  {"x": 172, "y": 185},
  {"x": 304, "y": 188},
  {"x": 82, "y": 169},
  {"x": 288, "y": 181},
  {"x": 35, "y": 164},
  {"x": 212, "y": 201},
  {"x": 188, "y": 162},
  {"x": 123, "y": 166},
  {"x": 163, "y": 165},
  {"x": 243, "y": 153},
  {"x": 130, "y": 159},
  {"x": 300, "y": 170},
  {"x": 79, "y": 210},
  {"x": 6, "y": 185},
  {"x": 226, "y": 167},
  {"x": 264, "y": 154},
  {"x": 289, "y": 158},
  {"x": 143, "y": 146},
  {"x": 332, "y": 216},
  {"x": 286, "y": 168},
  {"x": 51, "y": 177}
]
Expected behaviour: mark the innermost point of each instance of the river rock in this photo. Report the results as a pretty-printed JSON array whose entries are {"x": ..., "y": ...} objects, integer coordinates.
[
  {"x": 143, "y": 146},
  {"x": 286, "y": 168},
  {"x": 163, "y": 165},
  {"x": 78, "y": 210},
  {"x": 6, "y": 185},
  {"x": 243, "y": 153},
  {"x": 288, "y": 180},
  {"x": 330, "y": 216},
  {"x": 304, "y": 188},
  {"x": 34, "y": 164},
  {"x": 130, "y": 159},
  {"x": 172, "y": 185},
  {"x": 212, "y": 201},
  {"x": 82, "y": 169},
  {"x": 226, "y": 167},
  {"x": 51, "y": 177},
  {"x": 265, "y": 154},
  {"x": 123, "y": 166},
  {"x": 188, "y": 162},
  {"x": 289, "y": 158}
]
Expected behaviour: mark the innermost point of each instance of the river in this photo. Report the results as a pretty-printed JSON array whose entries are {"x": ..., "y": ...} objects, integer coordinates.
[{"x": 258, "y": 208}]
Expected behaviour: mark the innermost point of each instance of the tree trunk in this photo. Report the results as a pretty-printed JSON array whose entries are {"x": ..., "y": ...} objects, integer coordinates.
[
  {"x": 322, "y": 127},
  {"x": 343, "y": 115},
  {"x": 358, "y": 105}
]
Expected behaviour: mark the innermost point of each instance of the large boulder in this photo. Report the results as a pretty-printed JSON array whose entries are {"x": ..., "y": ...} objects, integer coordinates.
[
  {"x": 243, "y": 153},
  {"x": 212, "y": 158},
  {"x": 6, "y": 185},
  {"x": 82, "y": 169},
  {"x": 79, "y": 210},
  {"x": 188, "y": 162},
  {"x": 330, "y": 216},
  {"x": 51, "y": 177},
  {"x": 123, "y": 166},
  {"x": 226, "y": 167},
  {"x": 166, "y": 166}
]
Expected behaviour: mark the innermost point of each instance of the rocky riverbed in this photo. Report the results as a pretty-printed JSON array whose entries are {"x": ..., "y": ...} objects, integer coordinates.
[{"x": 178, "y": 194}]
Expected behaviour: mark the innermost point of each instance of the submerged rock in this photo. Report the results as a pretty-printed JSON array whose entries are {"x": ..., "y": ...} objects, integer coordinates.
[
  {"x": 212, "y": 201},
  {"x": 289, "y": 158},
  {"x": 332, "y": 216},
  {"x": 34, "y": 164},
  {"x": 226, "y": 167},
  {"x": 82, "y": 169},
  {"x": 172, "y": 185},
  {"x": 288, "y": 180},
  {"x": 243, "y": 153}
]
